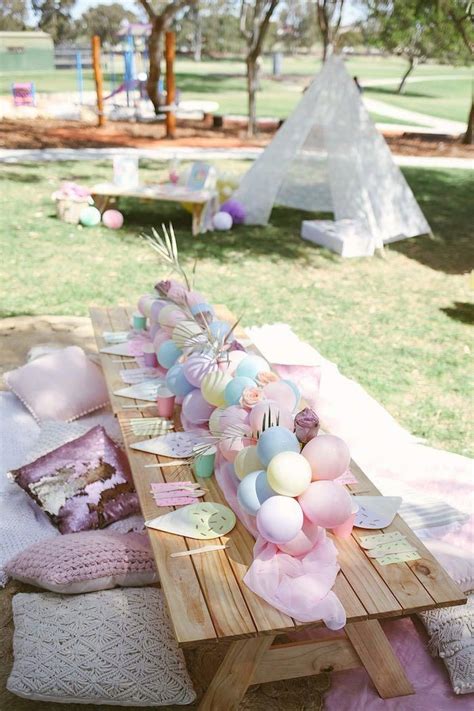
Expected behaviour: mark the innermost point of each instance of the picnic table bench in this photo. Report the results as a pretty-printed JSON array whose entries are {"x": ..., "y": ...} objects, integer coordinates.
[
  {"x": 209, "y": 602},
  {"x": 204, "y": 202}
]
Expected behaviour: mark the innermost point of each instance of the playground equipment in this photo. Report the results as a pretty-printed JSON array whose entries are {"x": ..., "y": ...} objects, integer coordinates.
[
  {"x": 98, "y": 79},
  {"x": 24, "y": 93}
]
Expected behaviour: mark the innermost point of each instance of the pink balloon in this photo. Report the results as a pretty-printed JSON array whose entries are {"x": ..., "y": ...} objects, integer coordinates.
[
  {"x": 230, "y": 361},
  {"x": 328, "y": 456},
  {"x": 160, "y": 337},
  {"x": 278, "y": 414},
  {"x": 196, "y": 409},
  {"x": 194, "y": 298},
  {"x": 233, "y": 416},
  {"x": 326, "y": 503},
  {"x": 197, "y": 366},
  {"x": 305, "y": 540},
  {"x": 113, "y": 219},
  {"x": 279, "y": 519},
  {"x": 154, "y": 328},
  {"x": 231, "y": 443},
  {"x": 174, "y": 317},
  {"x": 281, "y": 393}
]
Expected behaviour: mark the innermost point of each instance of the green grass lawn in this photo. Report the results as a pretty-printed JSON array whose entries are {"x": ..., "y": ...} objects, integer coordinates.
[
  {"x": 224, "y": 81},
  {"x": 398, "y": 324}
]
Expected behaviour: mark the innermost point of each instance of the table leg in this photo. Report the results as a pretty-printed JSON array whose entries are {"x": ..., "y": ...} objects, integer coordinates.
[
  {"x": 197, "y": 212},
  {"x": 232, "y": 679},
  {"x": 379, "y": 659}
]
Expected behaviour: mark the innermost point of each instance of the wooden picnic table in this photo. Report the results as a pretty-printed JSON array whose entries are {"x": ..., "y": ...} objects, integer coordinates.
[
  {"x": 209, "y": 602},
  {"x": 204, "y": 202}
]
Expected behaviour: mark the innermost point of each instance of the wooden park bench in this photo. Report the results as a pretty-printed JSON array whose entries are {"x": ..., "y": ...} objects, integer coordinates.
[{"x": 209, "y": 602}]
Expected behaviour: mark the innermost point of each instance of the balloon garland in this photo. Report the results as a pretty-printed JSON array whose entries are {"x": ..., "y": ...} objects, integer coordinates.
[{"x": 286, "y": 470}]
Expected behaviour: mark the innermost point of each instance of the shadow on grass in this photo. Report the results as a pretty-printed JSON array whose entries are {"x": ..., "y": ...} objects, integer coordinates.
[
  {"x": 209, "y": 83},
  {"x": 445, "y": 197},
  {"x": 276, "y": 241},
  {"x": 394, "y": 92},
  {"x": 461, "y": 311},
  {"x": 14, "y": 177}
]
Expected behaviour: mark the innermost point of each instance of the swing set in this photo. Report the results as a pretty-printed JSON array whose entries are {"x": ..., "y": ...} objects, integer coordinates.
[{"x": 132, "y": 81}]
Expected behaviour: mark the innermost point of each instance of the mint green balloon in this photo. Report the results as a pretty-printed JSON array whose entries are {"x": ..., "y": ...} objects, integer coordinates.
[{"x": 89, "y": 217}]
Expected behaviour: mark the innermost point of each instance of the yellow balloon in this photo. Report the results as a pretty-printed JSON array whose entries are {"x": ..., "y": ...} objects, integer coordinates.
[
  {"x": 213, "y": 386},
  {"x": 214, "y": 426},
  {"x": 289, "y": 473},
  {"x": 247, "y": 461},
  {"x": 166, "y": 311}
]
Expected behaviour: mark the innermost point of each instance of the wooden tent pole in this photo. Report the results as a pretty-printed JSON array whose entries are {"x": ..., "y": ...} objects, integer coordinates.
[
  {"x": 99, "y": 84},
  {"x": 170, "y": 51}
]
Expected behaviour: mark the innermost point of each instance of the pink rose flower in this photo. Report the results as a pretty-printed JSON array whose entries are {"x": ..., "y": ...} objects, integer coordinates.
[
  {"x": 306, "y": 425},
  {"x": 266, "y": 377},
  {"x": 250, "y": 397}
]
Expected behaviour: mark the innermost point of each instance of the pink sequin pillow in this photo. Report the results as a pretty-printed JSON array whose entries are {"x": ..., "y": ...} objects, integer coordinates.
[
  {"x": 62, "y": 385},
  {"x": 87, "y": 561},
  {"x": 83, "y": 484}
]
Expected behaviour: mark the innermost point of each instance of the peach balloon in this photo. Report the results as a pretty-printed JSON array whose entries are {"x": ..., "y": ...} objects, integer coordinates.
[
  {"x": 278, "y": 415},
  {"x": 231, "y": 443},
  {"x": 281, "y": 393},
  {"x": 328, "y": 456},
  {"x": 326, "y": 503},
  {"x": 305, "y": 540}
]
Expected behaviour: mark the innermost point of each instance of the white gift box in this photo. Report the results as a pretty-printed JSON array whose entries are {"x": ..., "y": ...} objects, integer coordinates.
[{"x": 348, "y": 238}]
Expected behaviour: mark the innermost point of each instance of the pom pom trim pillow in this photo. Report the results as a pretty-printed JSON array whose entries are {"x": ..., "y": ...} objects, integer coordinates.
[
  {"x": 62, "y": 385},
  {"x": 85, "y": 562},
  {"x": 110, "y": 647},
  {"x": 84, "y": 484}
]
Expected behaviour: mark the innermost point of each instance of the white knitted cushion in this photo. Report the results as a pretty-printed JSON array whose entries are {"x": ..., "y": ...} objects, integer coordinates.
[
  {"x": 451, "y": 631},
  {"x": 114, "y": 647}
]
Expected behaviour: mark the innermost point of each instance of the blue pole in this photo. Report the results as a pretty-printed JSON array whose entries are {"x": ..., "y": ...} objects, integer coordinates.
[{"x": 79, "y": 76}]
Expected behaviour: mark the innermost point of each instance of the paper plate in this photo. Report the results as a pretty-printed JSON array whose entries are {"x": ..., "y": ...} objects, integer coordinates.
[{"x": 202, "y": 521}]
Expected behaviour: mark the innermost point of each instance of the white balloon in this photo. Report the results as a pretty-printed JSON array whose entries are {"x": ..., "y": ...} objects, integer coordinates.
[{"x": 222, "y": 221}]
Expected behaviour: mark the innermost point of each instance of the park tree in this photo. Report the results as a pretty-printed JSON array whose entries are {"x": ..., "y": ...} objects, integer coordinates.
[
  {"x": 160, "y": 16},
  {"x": 105, "y": 21},
  {"x": 329, "y": 17},
  {"x": 54, "y": 17},
  {"x": 13, "y": 15},
  {"x": 296, "y": 25},
  {"x": 255, "y": 16}
]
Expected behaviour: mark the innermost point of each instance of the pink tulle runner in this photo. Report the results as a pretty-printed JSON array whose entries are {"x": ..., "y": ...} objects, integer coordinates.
[{"x": 299, "y": 587}]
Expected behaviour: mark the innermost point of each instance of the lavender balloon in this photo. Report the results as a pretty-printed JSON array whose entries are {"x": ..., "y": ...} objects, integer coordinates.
[
  {"x": 197, "y": 366},
  {"x": 196, "y": 409},
  {"x": 235, "y": 209},
  {"x": 279, "y": 519}
]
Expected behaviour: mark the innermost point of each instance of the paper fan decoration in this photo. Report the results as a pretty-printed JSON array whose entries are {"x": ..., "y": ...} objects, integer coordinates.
[
  {"x": 202, "y": 521},
  {"x": 178, "y": 445},
  {"x": 376, "y": 511}
]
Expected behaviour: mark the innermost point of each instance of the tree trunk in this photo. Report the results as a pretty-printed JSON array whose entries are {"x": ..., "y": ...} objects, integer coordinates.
[
  {"x": 411, "y": 66},
  {"x": 197, "y": 42},
  {"x": 252, "y": 94},
  {"x": 468, "y": 136},
  {"x": 155, "y": 52}
]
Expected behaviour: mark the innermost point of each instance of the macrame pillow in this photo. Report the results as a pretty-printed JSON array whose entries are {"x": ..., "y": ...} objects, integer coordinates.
[
  {"x": 85, "y": 562},
  {"x": 451, "y": 631},
  {"x": 84, "y": 484},
  {"x": 62, "y": 385},
  {"x": 110, "y": 647}
]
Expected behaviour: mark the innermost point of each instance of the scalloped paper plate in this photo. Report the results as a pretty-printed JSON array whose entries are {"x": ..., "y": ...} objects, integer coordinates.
[
  {"x": 376, "y": 511},
  {"x": 203, "y": 521},
  {"x": 177, "y": 445}
]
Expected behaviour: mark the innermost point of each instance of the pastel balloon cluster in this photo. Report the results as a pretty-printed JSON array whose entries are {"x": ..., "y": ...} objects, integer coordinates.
[{"x": 284, "y": 480}]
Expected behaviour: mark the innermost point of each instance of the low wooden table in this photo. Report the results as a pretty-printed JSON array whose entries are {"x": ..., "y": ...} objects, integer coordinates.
[
  {"x": 208, "y": 601},
  {"x": 204, "y": 202}
]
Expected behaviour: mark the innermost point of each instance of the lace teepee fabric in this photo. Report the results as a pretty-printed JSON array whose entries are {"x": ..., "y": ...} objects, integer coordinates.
[
  {"x": 329, "y": 157},
  {"x": 113, "y": 647},
  {"x": 451, "y": 631}
]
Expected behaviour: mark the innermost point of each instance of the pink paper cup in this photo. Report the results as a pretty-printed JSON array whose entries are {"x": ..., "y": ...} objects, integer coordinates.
[
  {"x": 165, "y": 402},
  {"x": 345, "y": 529},
  {"x": 149, "y": 357}
]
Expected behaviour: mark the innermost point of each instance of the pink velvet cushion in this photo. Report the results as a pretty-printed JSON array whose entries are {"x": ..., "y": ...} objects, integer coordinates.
[
  {"x": 59, "y": 386},
  {"x": 84, "y": 484},
  {"x": 87, "y": 561}
]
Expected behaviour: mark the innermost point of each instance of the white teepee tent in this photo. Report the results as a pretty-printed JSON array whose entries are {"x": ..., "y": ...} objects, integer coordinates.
[{"x": 329, "y": 157}]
